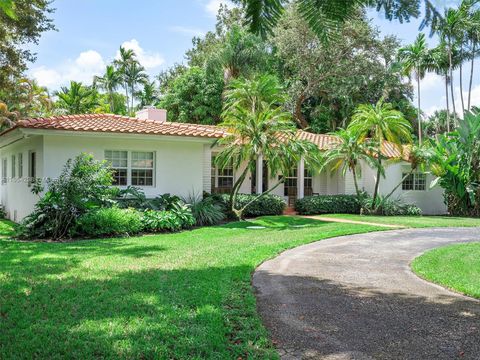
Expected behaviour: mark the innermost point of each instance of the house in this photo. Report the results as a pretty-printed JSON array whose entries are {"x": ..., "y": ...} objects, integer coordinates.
[{"x": 164, "y": 157}]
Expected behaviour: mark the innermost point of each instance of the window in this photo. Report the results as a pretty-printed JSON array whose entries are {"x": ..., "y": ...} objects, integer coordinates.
[
  {"x": 20, "y": 165},
  {"x": 415, "y": 181},
  {"x": 119, "y": 162},
  {"x": 14, "y": 166},
  {"x": 142, "y": 168},
  {"x": 290, "y": 184},
  {"x": 222, "y": 178},
  {"x": 4, "y": 171},
  {"x": 307, "y": 183},
  {"x": 32, "y": 167}
]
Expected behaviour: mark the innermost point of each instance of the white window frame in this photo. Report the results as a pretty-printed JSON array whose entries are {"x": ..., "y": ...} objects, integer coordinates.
[
  {"x": 215, "y": 173},
  {"x": 415, "y": 181},
  {"x": 14, "y": 166},
  {"x": 292, "y": 175},
  {"x": 32, "y": 173},
  {"x": 129, "y": 167}
]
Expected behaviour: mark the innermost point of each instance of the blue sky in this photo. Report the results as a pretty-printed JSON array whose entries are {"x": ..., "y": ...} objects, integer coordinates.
[{"x": 91, "y": 31}]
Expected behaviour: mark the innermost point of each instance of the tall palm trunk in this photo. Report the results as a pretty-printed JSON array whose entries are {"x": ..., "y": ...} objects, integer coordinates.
[
  {"x": 377, "y": 182},
  {"x": 461, "y": 81},
  {"x": 126, "y": 95},
  {"x": 448, "y": 105},
  {"x": 450, "y": 70},
  {"x": 472, "y": 62},
  {"x": 419, "y": 118}
]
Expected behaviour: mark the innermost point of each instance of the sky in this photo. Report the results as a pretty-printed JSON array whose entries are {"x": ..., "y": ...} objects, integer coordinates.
[{"x": 90, "y": 33}]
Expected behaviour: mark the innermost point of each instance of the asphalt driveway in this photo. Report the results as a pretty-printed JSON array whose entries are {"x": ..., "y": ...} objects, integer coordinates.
[{"x": 355, "y": 297}]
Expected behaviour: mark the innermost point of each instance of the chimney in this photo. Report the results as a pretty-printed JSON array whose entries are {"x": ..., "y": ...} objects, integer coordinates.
[{"x": 152, "y": 113}]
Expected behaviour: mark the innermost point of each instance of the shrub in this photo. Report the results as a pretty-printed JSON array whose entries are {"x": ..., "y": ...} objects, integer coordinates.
[
  {"x": 328, "y": 204},
  {"x": 265, "y": 205},
  {"x": 133, "y": 197},
  {"x": 83, "y": 185},
  {"x": 109, "y": 222},
  {"x": 207, "y": 211},
  {"x": 162, "y": 221},
  {"x": 391, "y": 207}
]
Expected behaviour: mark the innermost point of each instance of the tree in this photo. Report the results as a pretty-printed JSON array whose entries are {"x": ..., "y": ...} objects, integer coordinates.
[
  {"x": 258, "y": 126},
  {"x": 439, "y": 122},
  {"x": 195, "y": 97},
  {"x": 326, "y": 81},
  {"x": 323, "y": 17},
  {"x": 148, "y": 95},
  {"x": 135, "y": 75},
  {"x": 76, "y": 99},
  {"x": 126, "y": 57},
  {"x": 8, "y": 118},
  {"x": 415, "y": 59},
  {"x": 380, "y": 122},
  {"x": 346, "y": 154},
  {"x": 109, "y": 82},
  {"x": 473, "y": 36},
  {"x": 21, "y": 22}
]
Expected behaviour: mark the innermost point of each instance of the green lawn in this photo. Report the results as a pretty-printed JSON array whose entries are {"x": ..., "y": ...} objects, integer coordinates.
[
  {"x": 411, "y": 221},
  {"x": 455, "y": 266},
  {"x": 7, "y": 228},
  {"x": 179, "y": 296}
]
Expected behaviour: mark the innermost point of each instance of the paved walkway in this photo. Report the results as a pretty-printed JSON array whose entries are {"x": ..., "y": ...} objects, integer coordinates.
[{"x": 354, "y": 297}]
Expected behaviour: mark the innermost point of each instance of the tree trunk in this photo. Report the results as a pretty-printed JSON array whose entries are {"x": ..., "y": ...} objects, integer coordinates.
[
  {"x": 419, "y": 117},
  {"x": 472, "y": 62},
  {"x": 298, "y": 112},
  {"x": 126, "y": 95},
  {"x": 448, "y": 106},
  {"x": 377, "y": 182},
  {"x": 239, "y": 212},
  {"x": 461, "y": 81},
  {"x": 450, "y": 69},
  {"x": 398, "y": 185},
  {"x": 235, "y": 190}
]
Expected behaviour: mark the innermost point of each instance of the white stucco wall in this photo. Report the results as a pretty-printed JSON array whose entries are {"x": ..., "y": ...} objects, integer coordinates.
[{"x": 16, "y": 195}]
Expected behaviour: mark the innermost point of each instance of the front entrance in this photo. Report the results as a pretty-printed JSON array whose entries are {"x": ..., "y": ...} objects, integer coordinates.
[{"x": 253, "y": 186}]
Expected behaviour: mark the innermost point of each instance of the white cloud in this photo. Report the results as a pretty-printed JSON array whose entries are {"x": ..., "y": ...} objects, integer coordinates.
[
  {"x": 187, "y": 31},
  {"x": 431, "y": 81},
  {"x": 88, "y": 64},
  {"x": 431, "y": 110},
  {"x": 148, "y": 59},
  {"x": 212, "y": 6}
]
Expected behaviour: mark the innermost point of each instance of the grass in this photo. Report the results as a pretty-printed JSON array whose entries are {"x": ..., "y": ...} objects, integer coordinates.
[
  {"x": 7, "y": 228},
  {"x": 456, "y": 267},
  {"x": 172, "y": 296},
  {"x": 411, "y": 221}
]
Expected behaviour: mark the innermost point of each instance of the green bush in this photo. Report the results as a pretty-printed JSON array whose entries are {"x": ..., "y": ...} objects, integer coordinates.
[
  {"x": 265, "y": 205},
  {"x": 84, "y": 185},
  {"x": 391, "y": 207},
  {"x": 109, "y": 222},
  {"x": 167, "y": 221},
  {"x": 133, "y": 197},
  {"x": 207, "y": 211},
  {"x": 328, "y": 204}
]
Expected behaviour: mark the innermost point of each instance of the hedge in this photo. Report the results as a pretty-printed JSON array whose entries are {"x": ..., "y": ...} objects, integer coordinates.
[
  {"x": 266, "y": 205},
  {"x": 328, "y": 204}
]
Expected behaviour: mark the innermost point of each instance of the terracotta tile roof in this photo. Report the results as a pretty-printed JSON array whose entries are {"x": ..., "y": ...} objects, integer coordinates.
[{"x": 110, "y": 123}]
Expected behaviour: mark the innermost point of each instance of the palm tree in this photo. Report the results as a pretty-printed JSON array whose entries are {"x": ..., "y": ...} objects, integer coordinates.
[
  {"x": 134, "y": 75},
  {"x": 109, "y": 82},
  {"x": 127, "y": 56},
  {"x": 380, "y": 122},
  {"x": 148, "y": 95},
  {"x": 258, "y": 126},
  {"x": 76, "y": 99},
  {"x": 323, "y": 17},
  {"x": 8, "y": 118},
  {"x": 347, "y": 153},
  {"x": 415, "y": 59},
  {"x": 473, "y": 36}
]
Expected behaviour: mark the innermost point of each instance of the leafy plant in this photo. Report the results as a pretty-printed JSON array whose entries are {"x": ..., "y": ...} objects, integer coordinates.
[
  {"x": 109, "y": 222},
  {"x": 84, "y": 185},
  {"x": 133, "y": 197},
  {"x": 162, "y": 221},
  {"x": 254, "y": 206},
  {"x": 390, "y": 207},
  {"x": 206, "y": 211}
]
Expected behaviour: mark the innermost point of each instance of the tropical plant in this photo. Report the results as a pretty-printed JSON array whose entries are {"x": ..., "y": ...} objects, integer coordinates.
[
  {"x": 126, "y": 57},
  {"x": 380, "y": 122},
  {"x": 84, "y": 185},
  {"x": 109, "y": 222},
  {"x": 205, "y": 210},
  {"x": 347, "y": 153},
  {"x": 323, "y": 17},
  {"x": 109, "y": 82},
  {"x": 259, "y": 128},
  {"x": 148, "y": 95},
  {"x": 330, "y": 204},
  {"x": 415, "y": 58},
  {"x": 135, "y": 75},
  {"x": 457, "y": 166},
  {"x": 76, "y": 99}
]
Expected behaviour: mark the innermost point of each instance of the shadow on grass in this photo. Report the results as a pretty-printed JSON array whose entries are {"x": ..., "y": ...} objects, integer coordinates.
[
  {"x": 322, "y": 318},
  {"x": 277, "y": 223}
]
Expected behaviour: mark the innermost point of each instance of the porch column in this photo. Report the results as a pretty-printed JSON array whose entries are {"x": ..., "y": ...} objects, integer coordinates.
[
  {"x": 259, "y": 173},
  {"x": 300, "y": 178}
]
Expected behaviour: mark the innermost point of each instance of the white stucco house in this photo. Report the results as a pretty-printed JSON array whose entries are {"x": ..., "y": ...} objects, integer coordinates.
[{"x": 164, "y": 157}]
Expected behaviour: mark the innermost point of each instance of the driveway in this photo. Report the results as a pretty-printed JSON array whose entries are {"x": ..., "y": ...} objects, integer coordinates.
[{"x": 355, "y": 297}]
